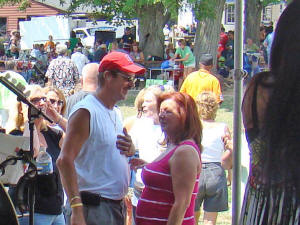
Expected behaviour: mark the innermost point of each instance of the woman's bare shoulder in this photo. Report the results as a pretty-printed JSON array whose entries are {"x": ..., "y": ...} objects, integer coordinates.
[{"x": 187, "y": 148}]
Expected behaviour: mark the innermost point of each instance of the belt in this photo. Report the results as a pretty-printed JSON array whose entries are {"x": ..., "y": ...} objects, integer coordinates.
[
  {"x": 209, "y": 164},
  {"x": 110, "y": 200},
  {"x": 89, "y": 198}
]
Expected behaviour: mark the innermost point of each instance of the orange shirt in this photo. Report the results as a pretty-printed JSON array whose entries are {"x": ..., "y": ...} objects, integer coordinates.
[{"x": 49, "y": 43}]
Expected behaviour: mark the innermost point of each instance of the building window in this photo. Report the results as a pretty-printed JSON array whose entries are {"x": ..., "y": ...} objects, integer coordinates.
[
  {"x": 3, "y": 26},
  {"x": 229, "y": 14},
  {"x": 267, "y": 14}
]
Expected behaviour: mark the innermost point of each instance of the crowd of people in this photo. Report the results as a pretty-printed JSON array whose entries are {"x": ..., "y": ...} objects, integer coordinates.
[
  {"x": 88, "y": 120},
  {"x": 174, "y": 147},
  {"x": 256, "y": 56}
]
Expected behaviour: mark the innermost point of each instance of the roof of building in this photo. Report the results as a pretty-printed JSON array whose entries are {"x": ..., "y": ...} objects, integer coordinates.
[{"x": 57, "y": 4}]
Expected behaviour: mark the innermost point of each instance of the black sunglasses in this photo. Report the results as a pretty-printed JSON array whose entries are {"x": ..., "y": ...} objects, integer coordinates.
[
  {"x": 126, "y": 77},
  {"x": 38, "y": 99},
  {"x": 59, "y": 102}
]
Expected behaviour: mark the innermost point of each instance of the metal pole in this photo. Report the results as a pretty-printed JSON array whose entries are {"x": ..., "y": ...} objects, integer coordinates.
[
  {"x": 238, "y": 68},
  {"x": 31, "y": 189}
]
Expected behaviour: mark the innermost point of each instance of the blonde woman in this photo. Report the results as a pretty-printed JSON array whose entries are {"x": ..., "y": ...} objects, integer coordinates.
[
  {"x": 139, "y": 99},
  {"x": 56, "y": 107},
  {"x": 145, "y": 133},
  {"x": 216, "y": 156},
  {"x": 49, "y": 200}
]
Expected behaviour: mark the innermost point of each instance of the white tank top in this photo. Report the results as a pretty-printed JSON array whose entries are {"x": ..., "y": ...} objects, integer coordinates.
[
  {"x": 146, "y": 137},
  {"x": 100, "y": 167},
  {"x": 213, "y": 146}
]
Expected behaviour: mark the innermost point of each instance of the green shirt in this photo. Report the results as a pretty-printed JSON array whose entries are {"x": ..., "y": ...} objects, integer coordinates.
[
  {"x": 183, "y": 52},
  {"x": 73, "y": 43}
]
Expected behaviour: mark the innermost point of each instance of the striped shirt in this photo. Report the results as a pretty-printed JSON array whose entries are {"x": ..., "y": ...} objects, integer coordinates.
[{"x": 157, "y": 198}]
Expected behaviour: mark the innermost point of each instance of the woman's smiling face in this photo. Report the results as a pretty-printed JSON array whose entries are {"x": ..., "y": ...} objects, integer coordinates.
[{"x": 149, "y": 104}]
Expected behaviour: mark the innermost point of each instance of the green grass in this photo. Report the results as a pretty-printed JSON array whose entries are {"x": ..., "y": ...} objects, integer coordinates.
[
  {"x": 224, "y": 218},
  {"x": 127, "y": 106},
  {"x": 225, "y": 114}
]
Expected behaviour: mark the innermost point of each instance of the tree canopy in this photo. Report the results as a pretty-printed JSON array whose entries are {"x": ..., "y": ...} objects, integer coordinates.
[
  {"x": 154, "y": 14},
  {"x": 23, "y": 4}
]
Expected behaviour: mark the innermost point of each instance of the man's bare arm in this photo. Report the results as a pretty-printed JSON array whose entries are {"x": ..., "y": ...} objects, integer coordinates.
[{"x": 77, "y": 133}]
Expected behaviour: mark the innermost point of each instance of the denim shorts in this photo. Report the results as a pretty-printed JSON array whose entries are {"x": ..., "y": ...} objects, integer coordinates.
[
  {"x": 44, "y": 219},
  {"x": 212, "y": 188}
]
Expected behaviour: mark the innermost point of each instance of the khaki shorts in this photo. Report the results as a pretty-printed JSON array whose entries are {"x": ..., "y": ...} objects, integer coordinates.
[{"x": 190, "y": 65}]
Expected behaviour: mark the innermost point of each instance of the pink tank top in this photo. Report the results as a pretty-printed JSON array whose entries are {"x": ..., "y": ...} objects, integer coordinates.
[{"x": 157, "y": 197}]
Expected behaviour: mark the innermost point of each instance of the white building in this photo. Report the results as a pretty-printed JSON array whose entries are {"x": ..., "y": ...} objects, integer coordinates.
[{"x": 270, "y": 13}]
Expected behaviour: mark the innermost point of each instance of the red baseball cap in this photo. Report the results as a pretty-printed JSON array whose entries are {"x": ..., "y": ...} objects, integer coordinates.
[{"x": 120, "y": 61}]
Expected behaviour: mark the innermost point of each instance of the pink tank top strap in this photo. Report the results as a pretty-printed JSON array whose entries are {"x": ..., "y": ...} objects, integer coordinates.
[
  {"x": 168, "y": 156},
  {"x": 192, "y": 144}
]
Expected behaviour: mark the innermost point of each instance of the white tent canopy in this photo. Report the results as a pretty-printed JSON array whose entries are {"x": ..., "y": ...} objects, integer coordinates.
[{"x": 57, "y": 26}]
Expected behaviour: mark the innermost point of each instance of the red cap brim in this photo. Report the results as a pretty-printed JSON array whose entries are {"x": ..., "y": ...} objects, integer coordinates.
[{"x": 133, "y": 68}]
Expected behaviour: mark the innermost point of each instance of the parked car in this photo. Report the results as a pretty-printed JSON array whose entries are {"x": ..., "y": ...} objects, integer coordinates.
[{"x": 87, "y": 34}]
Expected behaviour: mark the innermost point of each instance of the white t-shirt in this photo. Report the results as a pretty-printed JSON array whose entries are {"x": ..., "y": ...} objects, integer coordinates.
[
  {"x": 100, "y": 167},
  {"x": 213, "y": 146},
  {"x": 79, "y": 60}
]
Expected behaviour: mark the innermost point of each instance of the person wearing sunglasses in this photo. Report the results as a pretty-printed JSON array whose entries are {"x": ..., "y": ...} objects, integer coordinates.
[
  {"x": 56, "y": 107},
  {"x": 48, "y": 201},
  {"x": 93, "y": 162}
]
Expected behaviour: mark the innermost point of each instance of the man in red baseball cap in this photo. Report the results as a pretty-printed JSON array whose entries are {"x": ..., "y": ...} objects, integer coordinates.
[
  {"x": 93, "y": 162},
  {"x": 120, "y": 61}
]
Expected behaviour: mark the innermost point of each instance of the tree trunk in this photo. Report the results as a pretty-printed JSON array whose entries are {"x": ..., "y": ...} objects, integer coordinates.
[
  {"x": 152, "y": 19},
  {"x": 253, "y": 10},
  {"x": 208, "y": 34}
]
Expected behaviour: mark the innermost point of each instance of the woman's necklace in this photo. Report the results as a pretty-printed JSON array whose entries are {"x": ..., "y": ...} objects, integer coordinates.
[{"x": 115, "y": 119}]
